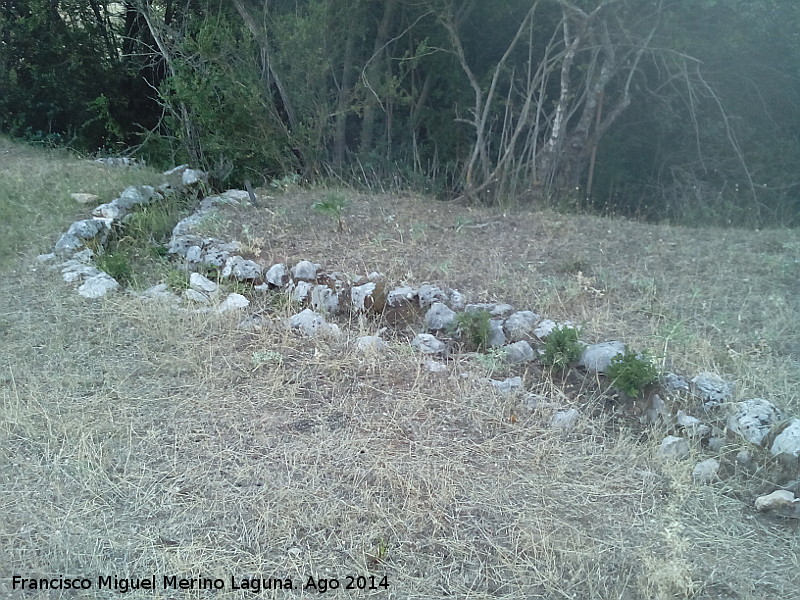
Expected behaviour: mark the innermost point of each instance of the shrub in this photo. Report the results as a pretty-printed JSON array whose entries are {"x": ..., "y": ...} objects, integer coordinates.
[
  {"x": 117, "y": 265},
  {"x": 333, "y": 205},
  {"x": 631, "y": 373},
  {"x": 561, "y": 347},
  {"x": 475, "y": 327}
]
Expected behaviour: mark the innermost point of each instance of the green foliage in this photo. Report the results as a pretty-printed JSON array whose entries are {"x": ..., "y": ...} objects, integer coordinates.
[
  {"x": 475, "y": 327},
  {"x": 561, "y": 347},
  {"x": 117, "y": 265},
  {"x": 177, "y": 280},
  {"x": 631, "y": 373},
  {"x": 286, "y": 183},
  {"x": 333, "y": 206}
]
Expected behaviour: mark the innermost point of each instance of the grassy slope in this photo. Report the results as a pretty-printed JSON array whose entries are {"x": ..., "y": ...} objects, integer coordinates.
[{"x": 135, "y": 441}]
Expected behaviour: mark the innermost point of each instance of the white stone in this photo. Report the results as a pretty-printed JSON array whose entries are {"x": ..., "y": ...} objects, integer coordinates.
[
  {"x": 519, "y": 352},
  {"x": 428, "y": 344},
  {"x": 359, "y": 294},
  {"x": 656, "y": 410},
  {"x": 401, "y": 295},
  {"x": 434, "y": 366},
  {"x": 788, "y": 440},
  {"x": 196, "y": 296},
  {"x": 712, "y": 389},
  {"x": 497, "y": 336},
  {"x": 692, "y": 425},
  {"x": 277, "y": 275},
  {"x": 596, "y": 358},
  {"x": 98, "y": 285},
  {"x": 457, "y": 300},
  {"x": 428, "y": 294},
  {"x": 781, "y": 502},
  {"x": 546, "y": 327},
  {"x": 673, "y": 447},
  {"x": 505, "y": 386},
  {"x": 309, "y": 323},
  {"x": 753, "y": 419},
  {"x": 192, "y": 177},
  {"x": 521, "y": 324},
  {"x": 439, "y": 317},
  {"x": 233, "y": 302},
  {"x": 324, "y": 298},
  {"x": 370, "y": 343},
  {"x": 241, "y": 269},
  {"x": 301, "y": 291},
  {"x": 565, "y": 419},
  {"x": 706, "y": 471},
  {"x": 305, "y": 270},
  {"x": 201, "y": 283},
  {"x": 85, "y": 198}
]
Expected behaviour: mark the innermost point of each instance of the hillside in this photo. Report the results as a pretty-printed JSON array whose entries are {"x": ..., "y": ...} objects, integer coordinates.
[{"x": 140, "y": 441}]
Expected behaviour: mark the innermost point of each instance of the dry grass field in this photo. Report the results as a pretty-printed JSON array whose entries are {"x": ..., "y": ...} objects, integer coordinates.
[{"x": 137, "y": 441}]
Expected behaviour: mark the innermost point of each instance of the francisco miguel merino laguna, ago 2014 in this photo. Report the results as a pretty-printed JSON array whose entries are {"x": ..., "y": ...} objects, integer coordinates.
[{"x": 173, "y": 582}]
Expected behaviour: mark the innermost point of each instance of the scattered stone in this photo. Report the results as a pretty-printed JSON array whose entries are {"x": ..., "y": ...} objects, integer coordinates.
[
  {"x": 98, "y": 285},
  {"x": 310, "y": 323},
  {"x": 565, "y": 419},
  {"x": 596, "y": 358},
  {"x": 428, "y": 294},
  {"x": 675, "y": 383},
  {"x": 191, "y": 177},
  {"x": 278, "y": 275},
  {"x": 201, "y": 283},
  {"x": 118, "y": 161},
  {"x": 519, "y": 352},
  {"x": 439, "y": 317},
  {"x": 692, "y": 425},
  {"x": 507, "y": 385},
  {"x": 241, "y": 269},
  {"x": 546, "y": 327},
  {"x": 324, "y": 298},
  {"x": 716, "y": 444},
  {"x": 300, "y": 291},
  {"x": 428, "y": 344},
  {"x": 656, "y": 410},
  {"x": 401, "y": 295},
  {"x": 371, "y": 343},
  {"x": 359, "y": 295},
  {"x": 743, "y": 457},
  {"x": 712, "y": 389},
  {"x": 781, "y": 502},
  {"x": 753, "y": 419},
  {"x": 252, "y": 323},
  {"x": 43, "y": 258},
  {"x": 161, "y": 293},
  {"x": 85, "y": 198},
  {"x": 175, "y": 171},
  {"x": 494, "y": 309},
  {"x": 521, "y": 325},
  {"x": 706, "y": 471},
  {"x": 434, "y": 366},
  {"x": 787, "y": 442},
  {"x": 673, "y": 447},
  {"x": 196, "y": 296},
  {"x": 497, "y": 336},
  {"x": 457, "y": 300},
  {"x": 233, "y": 302},
  {"x": 305, "y": 270}
]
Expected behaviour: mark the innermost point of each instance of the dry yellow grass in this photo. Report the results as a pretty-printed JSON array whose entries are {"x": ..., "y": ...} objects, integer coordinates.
[{"x": 137, "y": 441}]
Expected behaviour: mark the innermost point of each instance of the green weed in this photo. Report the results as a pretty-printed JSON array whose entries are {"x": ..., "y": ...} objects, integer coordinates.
[
  {"x": 631, "y": 373},
  {"x": 561, "y": 347}
]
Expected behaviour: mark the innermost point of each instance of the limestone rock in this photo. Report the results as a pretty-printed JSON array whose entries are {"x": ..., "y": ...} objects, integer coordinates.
[
  {"x": 780, "y": 502},
  {"x": 311, "y": 323},
  {"x": 673, "y": 447},
  {"x": 565, "y": 419},
  {"x": 98, "y": 285},
  {"x": 675, "y": 383},
  {"x": 305, "y": 270},
  {"x": 656, "y": 410},
  {"x": 202, "y": 283},
  {"x": 277, "y": 275},
  {"x": 429, "y": 294},
  {"x": 233, "y": 302},
  {"x": 596, "y": 358},
  {"x": 428, "y": 344},
  {"x": 505, "y": 386},
  {"x": 401, "y": 295},
  {"x": 521, "y": 324},
  {"x": 692, "y": 425},
  {"x": 439, "y": 317},
  {"x": 67, "y": 245},
  {"x": 85, "y": 198},
  {"x": 494, "y": 309},
  {"x": 753, "y": 419},
  {"x": 706, "y": 471},
  {"x": 787, "y": 442},
  {"x": 497, "y": 336},
  {"x": 87, "y": 229},
  {"x": 300, "y": 291},
  {"x": 370, "y": 343},
  {"x": 546, "y": 327},
  {"x": 324, "y": 298},
  {"x": 196, "y": 296},
  {"x": 191, "y": 177},
  {"x": 434, "y": 366},
  {"x": 359, "y": 295},
  {"x": 241, "y": 269},
  {"x": 519, "y": 352},
  {"x": 712, "y": 389},
  {"x": 457, "y": 300}
]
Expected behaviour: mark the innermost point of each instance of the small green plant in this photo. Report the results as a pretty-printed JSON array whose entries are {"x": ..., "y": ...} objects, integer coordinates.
[
  {"x": 631, "y": 373},
  {"x": 475, "y": 326},
  {"x": 333, "y": 205},
  {"x": 561, "y": 347},
  {"x": 493, "y": 360},
  {"x": 116, "y": 264},
  {"x": 286, "y": 182},
  {"x": 259, "y": 358},
  {"x": 177, "y": 280}
]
